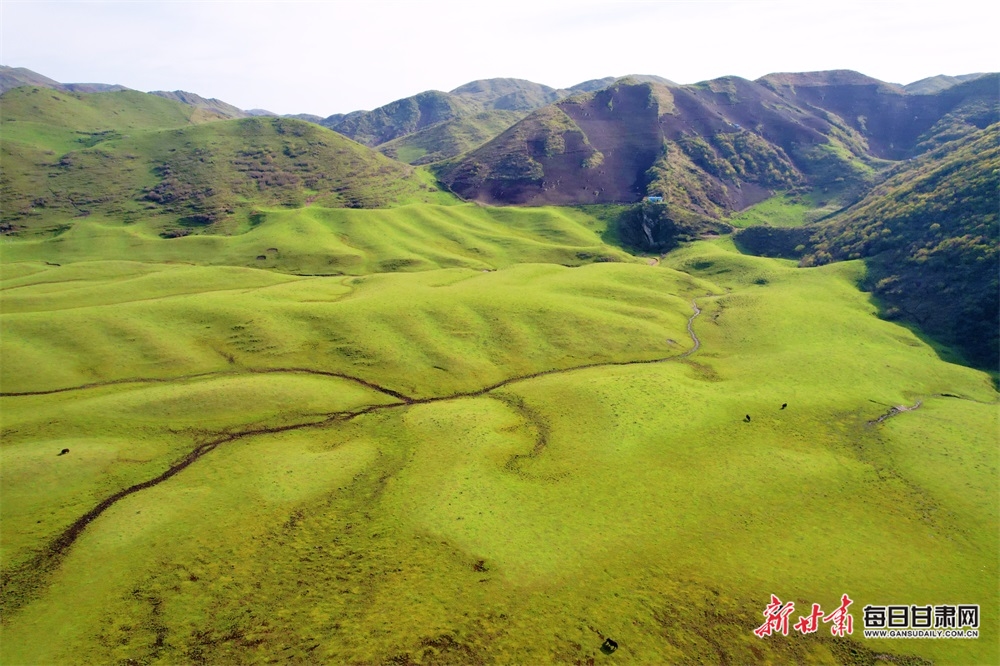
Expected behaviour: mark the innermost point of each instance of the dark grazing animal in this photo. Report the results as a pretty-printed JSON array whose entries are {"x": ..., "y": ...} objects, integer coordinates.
[
  {"x": 747, "y": 419},
  {"x": 63, "y": 452},
  {"x": 609, "y": 646},
  {"x": 784, "y": 404}
]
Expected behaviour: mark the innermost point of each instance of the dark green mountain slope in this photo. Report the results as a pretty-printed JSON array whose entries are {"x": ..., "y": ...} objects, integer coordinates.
[
  {"x": 435, "y": 125},
  {"x": 930, "y": 237}
]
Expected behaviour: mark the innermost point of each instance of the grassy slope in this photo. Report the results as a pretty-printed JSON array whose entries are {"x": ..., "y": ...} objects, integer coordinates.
[
  {"x": 318, "y": 240},
  {"x": 522, "y": 525},
  {"x": 27, "y": 108},
  {"x": 134, "y": 156},
  {"x": 929, "y": 235},
  {"x": 782, "y": 210}
]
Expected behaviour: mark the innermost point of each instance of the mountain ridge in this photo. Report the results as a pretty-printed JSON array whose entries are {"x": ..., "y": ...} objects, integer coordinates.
[{"x": 796, "y": 129}]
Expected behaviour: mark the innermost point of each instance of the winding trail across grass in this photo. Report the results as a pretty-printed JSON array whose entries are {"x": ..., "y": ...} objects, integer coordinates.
[
  {"x": 899, "y": 409},
  {"x": 694, "y": 337},
  {"x": 222, "y": 373},
  {"x": 19, "y": 584}
]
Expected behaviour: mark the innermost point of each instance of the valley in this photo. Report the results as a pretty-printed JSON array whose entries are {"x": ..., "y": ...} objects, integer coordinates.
[{"x": 273, "y": 396}]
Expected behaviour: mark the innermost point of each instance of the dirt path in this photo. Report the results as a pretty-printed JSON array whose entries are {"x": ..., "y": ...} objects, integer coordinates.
[
  {"x": 694, "y": 337},
  {"x": 19, "y": 584},
  {"x": 221, "y": 373},
  {"x": 899, "y": 409}
]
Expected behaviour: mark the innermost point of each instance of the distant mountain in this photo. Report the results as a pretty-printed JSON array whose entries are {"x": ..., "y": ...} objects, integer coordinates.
[
  {"x": 218, "y": 106},
  {"x": 600, "y": 84},
  {"x": 717, "y": 146},
  {"x": 450, "y": 137},
  {"x": 826, "y": 79},
  {"x": 93, "y": 87},
  {"x": 404, "y": 116},
  {"x": 938, "y": 83},
  {"x": 506, "y": 94},
  {"x": 890, "y": 120},
  {"x": 434, "y": 125},
  {"x": 596, "y": 84},
  {"x": 615, "y": 144},
  {"x": 308, "y": 117},
  {"x": 13, "y": 77}
]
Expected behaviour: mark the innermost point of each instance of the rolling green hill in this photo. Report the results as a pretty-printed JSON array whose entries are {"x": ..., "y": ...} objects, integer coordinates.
[
  {"x": 327, "y": 241},
  {"x": 457, "y": 465},
  {"x": 131, "y": 155}
]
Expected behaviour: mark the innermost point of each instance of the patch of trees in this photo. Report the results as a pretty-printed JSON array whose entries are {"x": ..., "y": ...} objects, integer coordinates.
[
  {"x": 930, "y": 235},
  {"x": 659, "y": 227},
  {"x": 775, "y": 241},
  {"x": 741, "y": 155}
]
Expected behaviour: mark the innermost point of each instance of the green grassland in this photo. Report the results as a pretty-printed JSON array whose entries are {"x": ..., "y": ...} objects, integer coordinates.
[
  {"x": 782, "y": 210},
  {"x": 318, "y": 240},
  {"x": 471, "y": 435}
]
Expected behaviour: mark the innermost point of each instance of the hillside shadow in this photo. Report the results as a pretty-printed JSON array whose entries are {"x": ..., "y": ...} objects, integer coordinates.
[
  {"x": 785, "y": 244},
  {"x": 944, "y": 351}
]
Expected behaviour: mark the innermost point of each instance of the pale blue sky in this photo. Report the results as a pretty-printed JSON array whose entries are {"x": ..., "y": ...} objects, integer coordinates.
[{"x": 334, "y": 57}]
